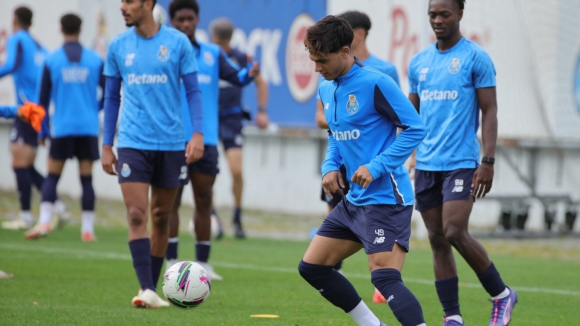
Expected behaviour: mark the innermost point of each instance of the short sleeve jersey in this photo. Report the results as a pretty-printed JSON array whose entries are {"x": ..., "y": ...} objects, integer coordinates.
[
  {"x": 151, "y": 69},
  {"x": 446, "y": 83}
]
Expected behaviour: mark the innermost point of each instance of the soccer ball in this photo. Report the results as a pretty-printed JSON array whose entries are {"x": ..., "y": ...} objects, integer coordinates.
[
  {"x": 215, "y": 227},
  {"x": 186, "y": 284}
]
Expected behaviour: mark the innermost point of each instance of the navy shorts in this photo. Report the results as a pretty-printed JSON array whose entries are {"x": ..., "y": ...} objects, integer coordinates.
[
  {"x": 377, "y": 227},
  {"x": 433, "y": 188},
  {"x": 231, "y": 131},
  {"x": 23, "y": 132},
  {"x": 162, "y": 169},
  {"x": 208, "y": 164},
  {"x": 336, "y": 198},
  {"x": 84, "y": 148}
]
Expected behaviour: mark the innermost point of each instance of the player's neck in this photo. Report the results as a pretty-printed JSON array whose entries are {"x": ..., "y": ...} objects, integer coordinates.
[
  {"x": 71, "y": 38},
  {"x": 361, "y": 53},
  {"x": 148, "y": 27},
  {"x": 348, "y": 66},
  {"x": 446, "y": 44},
  {"x": 225, "y": 47}
]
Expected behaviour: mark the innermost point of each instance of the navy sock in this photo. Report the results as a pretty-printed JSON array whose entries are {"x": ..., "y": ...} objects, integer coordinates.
[
  {"x": 141, "y": 254},
  {"x": 202, "y": 251},
  {"x": 88, "y": 198},
  {"x": 49, "y": 188},
  {"x": 448, "y": 292},
  {"x": 171, "y": 252},
  {"x": 491, "y": 281},
  {"x": 401, "y": 300},
  {"x": 331, "y": 284},
  {"x": 156, "y": 266},
  {"x": 238, "y": 215},
  {"x": 338, "y": 265},
  {"x": 37, "y": 178},
  {"x": 24, "y": 185}
]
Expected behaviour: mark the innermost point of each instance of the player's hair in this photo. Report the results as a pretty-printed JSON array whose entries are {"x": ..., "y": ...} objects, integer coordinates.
[
  {"x": 154, "y": 3},
  {"x": 328, "y": 35},
  {"x": 222, "y": 28},
  {"x": 460, "y": 4},
  {"x": 71, "y": 24},
  {"x": 177, "y": 5},
  {"x": 24, "y": 16},
  {"x": 357, "y": 19}
]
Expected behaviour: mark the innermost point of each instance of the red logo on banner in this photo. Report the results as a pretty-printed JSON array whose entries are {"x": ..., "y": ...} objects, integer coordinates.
[{"x": 300, "y": 75}]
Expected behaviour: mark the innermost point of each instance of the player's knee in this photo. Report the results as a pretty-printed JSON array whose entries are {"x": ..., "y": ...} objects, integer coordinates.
[
  {"x": 314, "y": 274},
  {"x": 438, "y": 241},
  {"x": 203, "y": 198},
  {"x": 136, "y": 216},
  {"x": 455, "y": 235}
]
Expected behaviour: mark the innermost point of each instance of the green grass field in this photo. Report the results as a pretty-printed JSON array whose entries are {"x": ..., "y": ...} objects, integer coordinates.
[{"x": 61, "y": 281}]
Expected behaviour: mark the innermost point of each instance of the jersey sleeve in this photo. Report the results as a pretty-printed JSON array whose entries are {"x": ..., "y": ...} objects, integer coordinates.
[
  {"x": 483, "y": 71},
  {"x": 392, "y": 71},
  {"x": 13, "y": 57},
  {"x": 413, "y": 81},
  {"x": 111, "y": 68},
  {"x": 188, "y": 63},
  {"x": 333, "y": 158},
  {"x": 390, "y": 102},
  {"x": 8, "y": 111}
]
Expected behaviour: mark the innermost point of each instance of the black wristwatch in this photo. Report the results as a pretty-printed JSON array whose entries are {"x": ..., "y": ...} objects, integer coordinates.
[{"x": 488, "y": 160}]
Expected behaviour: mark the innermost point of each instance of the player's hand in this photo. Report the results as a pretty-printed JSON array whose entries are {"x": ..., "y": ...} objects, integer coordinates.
[
  {"x": 412, "y": 162},
  {"x": 194, "y": 149},
  {"x": 255, "y": 71},
  {"x": 362, "y": 177},
  {"x": 482, "y": 180},
  {"x": 332, "y": 183},
  {"x": 42, "y": 142},
  {"x": 109, "y": 160},
  {"x": 262, "y": 120}
]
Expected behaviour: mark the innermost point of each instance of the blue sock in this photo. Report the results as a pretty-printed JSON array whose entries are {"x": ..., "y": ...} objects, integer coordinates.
[
  {"x": 49, "y": 188},
  {"x": 202, "y": 251},
  {"x": 171, "y": 252},
  {"x": 24, "y": 185},
  {"x": 141, "y": 254},
  {"x": 448, "y": 292},
  {"x": 401, "y": 300},
  {"x": 491, "y": 281},
  {"x": 88, "y": 198},
  {"x": 331, "y": 284},
  {"x": 37, "y": 178},
  {"x": 156, "y": 266},
  {"x": 338, "y": 265},
  {"x": 238, "y": 215}
]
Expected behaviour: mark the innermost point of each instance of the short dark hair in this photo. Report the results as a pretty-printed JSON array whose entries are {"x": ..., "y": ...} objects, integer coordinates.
[
  {"x": 154, "y": 2},
  {"x": 70, "y": 24},
  {"x": 24, "y": 16},
  {"x": 328, "y": 35},
  {"x": 177, "y": 5},
  {"x": 461, "y": 4},
  {"x": 357, "y": 19}
]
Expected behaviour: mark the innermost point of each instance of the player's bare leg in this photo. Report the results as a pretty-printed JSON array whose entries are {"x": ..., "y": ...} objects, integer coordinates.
[
  {"x": 234, "y": 156},
  {"x": 23, "y": 156}
]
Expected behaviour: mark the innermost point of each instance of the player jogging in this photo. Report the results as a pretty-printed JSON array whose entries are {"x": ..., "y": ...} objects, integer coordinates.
[
  {"x": 363, "y": 109},
  {"x": 449, "y": 82},
  {"x": 149, "y": 60}
]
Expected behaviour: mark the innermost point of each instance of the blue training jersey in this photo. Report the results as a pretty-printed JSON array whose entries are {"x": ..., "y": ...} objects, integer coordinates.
[
  {"x": 363, "y": 109},
  {"x": 70, "y": 77},
  {"x": 212, "y": 66},
  {"x": 383, "y": 66},
  {"x": 150, "y": 69},
  {"x": 8, "y": 111},
  {"x": 24, "y": 58},
  {"x": 446, "y": 83}
]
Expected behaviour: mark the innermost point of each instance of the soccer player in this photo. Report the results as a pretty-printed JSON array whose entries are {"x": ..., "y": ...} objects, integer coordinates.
[
  {"x": 70, "y": 77},
  {"x": 449, "y": 82},
  {"x": 149, "y": 60},
  {"x": 24, "y": 57},
  {"x": 231, "y": 115},
  {"x": 213, "y": 66},
  {"x": 363, "y": 108},
  {"x": 361, "y": 24}
]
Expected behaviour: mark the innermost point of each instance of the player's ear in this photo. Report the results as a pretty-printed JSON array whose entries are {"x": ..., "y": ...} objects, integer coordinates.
[
  {"x": 459, "y": 15},
  {"x": 345, "y": 51}
]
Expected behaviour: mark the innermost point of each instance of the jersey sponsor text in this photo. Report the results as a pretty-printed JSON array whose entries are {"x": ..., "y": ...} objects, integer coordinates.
[
  {"x": 134, "y": 79},
  {"x": 437, "y": 95},
  {"x": 346, "y": 135}
]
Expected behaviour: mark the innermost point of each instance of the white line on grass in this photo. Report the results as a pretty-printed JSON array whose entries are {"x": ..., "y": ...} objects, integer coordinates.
[{"x": 84, "y": 254}]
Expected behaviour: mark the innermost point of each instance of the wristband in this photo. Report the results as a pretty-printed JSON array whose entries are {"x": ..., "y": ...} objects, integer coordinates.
[{"x": 488, "y": 160}]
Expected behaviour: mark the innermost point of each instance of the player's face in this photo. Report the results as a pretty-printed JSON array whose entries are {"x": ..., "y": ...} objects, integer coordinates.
[
  {"x": 133, "y": 11},
  {"x": 331, "y": 65},
  {"x": 186, "y": 21},
  {"x": 444, "y": 16}
]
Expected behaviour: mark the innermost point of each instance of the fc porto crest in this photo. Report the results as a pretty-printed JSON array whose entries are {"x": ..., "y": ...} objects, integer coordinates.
[
  {"x": 163, "y": 54},
  {"x": 352, "y": 104},
  {"x": 454, "y": 66},
  {"x": 126, "y": 170}
]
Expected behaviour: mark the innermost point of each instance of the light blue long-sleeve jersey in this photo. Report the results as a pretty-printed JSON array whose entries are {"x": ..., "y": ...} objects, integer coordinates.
[
  {"x": 8, "y": 111},
  {"x": 363, "y": 109}
]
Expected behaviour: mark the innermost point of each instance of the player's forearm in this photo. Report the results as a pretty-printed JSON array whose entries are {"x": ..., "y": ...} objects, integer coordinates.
[
  {"x": 333, "y": 158},
  {"x": 262, "y": 90},
  {"x": 194, "y": 101},
  {"x": 112, "y": 104},
  {"x": 489, "y": 130},
  {"x": 8, "y": 111}
]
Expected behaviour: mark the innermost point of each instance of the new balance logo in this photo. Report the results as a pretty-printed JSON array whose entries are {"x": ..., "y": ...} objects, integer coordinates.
[
  {"x": 458, "y": 186},
  {"x": 379, "y": 240},
  {"x": 391, "y": 297},
  {"x": 437, "y": 95}
]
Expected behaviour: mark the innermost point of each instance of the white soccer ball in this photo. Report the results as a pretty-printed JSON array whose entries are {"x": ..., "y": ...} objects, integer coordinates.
[
  {"x": 186, "y": 284},
  {"x": 159, "y": 14},
  {"x": 215, "y": 227}
]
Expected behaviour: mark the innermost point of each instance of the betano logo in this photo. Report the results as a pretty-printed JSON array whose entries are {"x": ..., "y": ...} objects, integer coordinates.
[
  {"x": 346, "y": 135},
  {"x": 145, "y": 79},
  {"x": 437, "y": 95}
]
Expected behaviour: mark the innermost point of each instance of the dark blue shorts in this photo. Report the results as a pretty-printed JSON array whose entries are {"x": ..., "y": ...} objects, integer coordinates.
[
  {"x": 336, "y": 198},
  {"x": 23, "y": 132},
  {"x": 84, "y": 148},
  {"x": 162, "y": 169},
  {"x": 433, "y": 188},
  {"x": 231, "y": 131},
  {"x": 208, "y": 164},
  {"x": 377, "y": 227}
]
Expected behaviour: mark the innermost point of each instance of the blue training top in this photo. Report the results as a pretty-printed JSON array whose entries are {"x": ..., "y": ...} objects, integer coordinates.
[
  {"x": 230, "y": 98},
  {"x": 70, "y": 77},
  {"x": 8, "y": 111},
  {"x": 150, "y": 69},
  {"x": 363, "y": 109},
  {"x": 24, "y": 58},
  {"x": 446, "y": 83}
]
